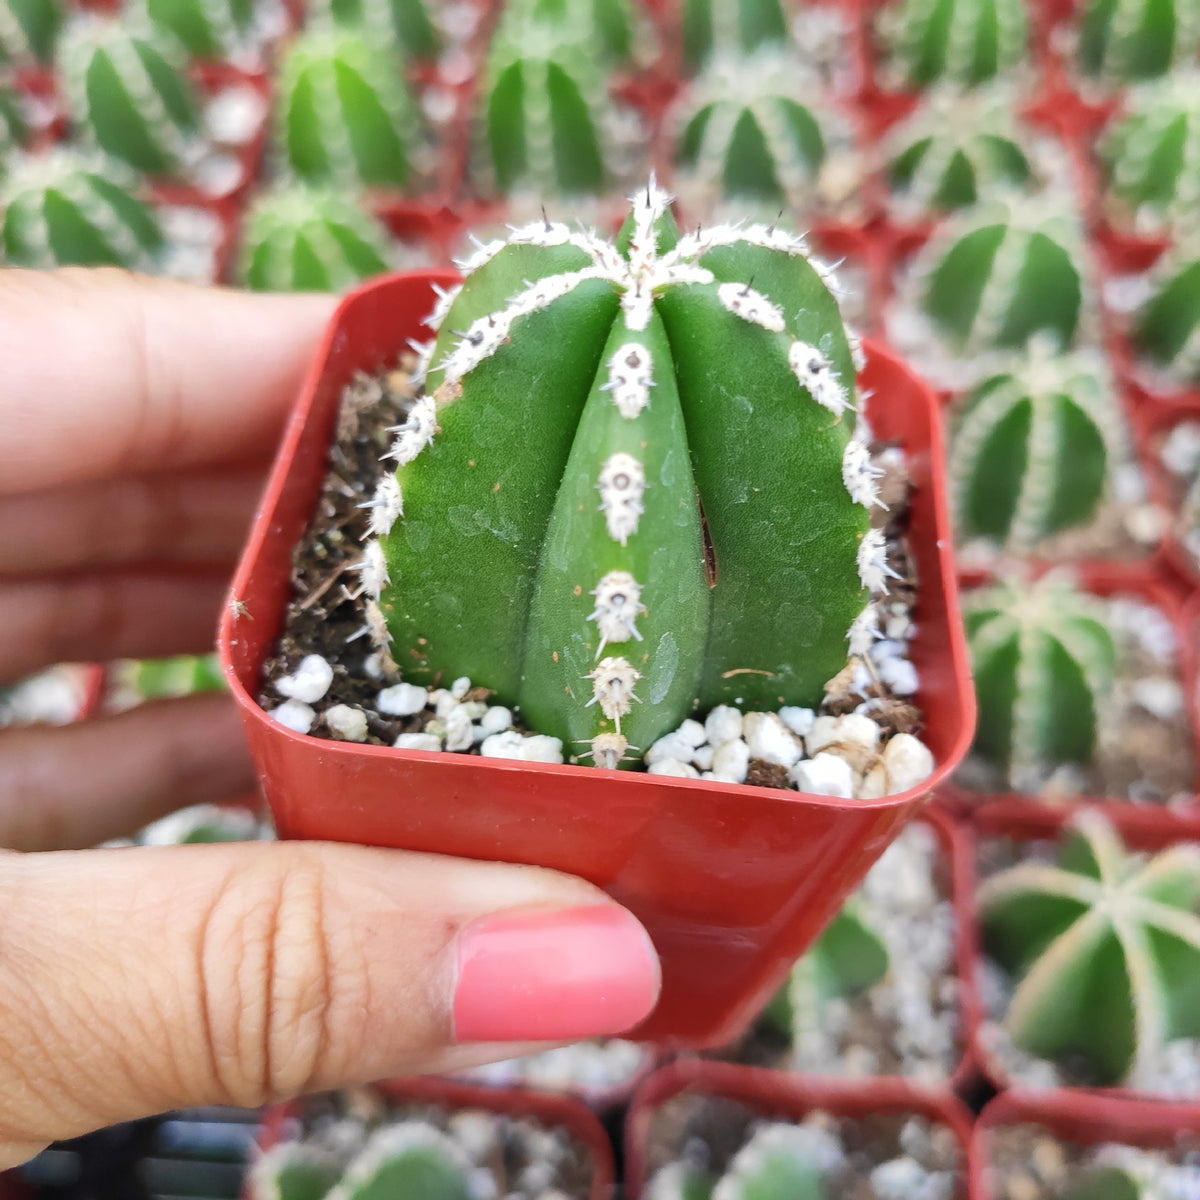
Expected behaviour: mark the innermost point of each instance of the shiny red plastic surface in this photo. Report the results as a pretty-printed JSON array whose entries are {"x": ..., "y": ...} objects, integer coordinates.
[
  {"x": 732, "y": 882},
  {"x": 781, "y": 1096}
]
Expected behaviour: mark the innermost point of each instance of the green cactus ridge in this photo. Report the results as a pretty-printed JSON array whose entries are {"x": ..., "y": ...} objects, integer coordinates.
[
  {"x": 605, "y": 621},
  {"x": 67, "y": 208},
  {"x": 748, "y": 130},
  {"x": 966, "y": 41},
  {"x": 1043, "y": 662},
  {"x": 1128, "y": 40},
  {"x": 1166, "y": 328},
  {"x": 1109, "y": 1183},
  {"x": 958, "y": 148},
  {"x": 1152, "y": 156},
  {"x": 345, "y": 116},
  {"x": 1033, "y": 449},
  {"x": 29, "y": 31},
  {"x": 205, "y": 29},
  {"x": 129, "y": 92},
  {"x": 404, "y": 26},
  {"x": 996, "y": 274},
  {"x": 299, "y": 239},
  {"x": 730, "y": 27},
  {"x": 1105, "y": 947},
  {"x": 409, "y": 1159},
  {"x": 781, "y": 1162}
]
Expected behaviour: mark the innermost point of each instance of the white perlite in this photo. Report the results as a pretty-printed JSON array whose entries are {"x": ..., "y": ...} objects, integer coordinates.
[
  {"x": 402, "y": 700},
  {"x": 537, "y": 747},
  {"x": 294, "y": 715},
  {"x": 769, "y": 739},
  {"x": 824, "y": 775},
  {"x": 346, "y": 724},
  {"x": 309, "y": 682}
]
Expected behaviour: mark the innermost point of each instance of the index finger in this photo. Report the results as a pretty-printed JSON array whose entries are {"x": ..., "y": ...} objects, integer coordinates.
[{"x": 104, "y": 373}]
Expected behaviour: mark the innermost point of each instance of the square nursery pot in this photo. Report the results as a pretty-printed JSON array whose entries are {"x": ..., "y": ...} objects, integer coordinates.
[
  {"x": 732, "y": 881},
  {"x": 280, "y": 1122},
  {"x": 1078, "y": 1119},
  {"x": 775, "y": 1096}
]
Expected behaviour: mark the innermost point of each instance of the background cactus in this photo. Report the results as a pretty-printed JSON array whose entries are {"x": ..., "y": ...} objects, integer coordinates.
[
  {"x": 1105, "y": 948},
  {"x": 1043, "y": 662},
  {"x": 747, "y": 129},
  {"x": 12, "y": 127},
  {"x": 547, "y": 111},
  {"x": 606, "y": 621},
  {"x": 345, "y": 116},
  {"x": 299, "y": 239},
  {"x": 63, "y": 208},
  {"x": 130, "y": 95},
  {"x": 997, "y": 274},
  {"x": 183, "y": 675},
  {"x": 730, "y": 27},
  {"x": 404, "y": 26},
  {"x": 1166, "y": 329},
  {"x": 204, "y": 29},
  {"x": 1152, "y": 156},
  {"x": 967, "y": 41},
  {"x": 1032, "y": 449},
  {"x": 961, "y": 146},
  {"x": 1128, "y": 40},
  {"x": 29, "y": 31},
  {"x": 1108, "y": 1183}
]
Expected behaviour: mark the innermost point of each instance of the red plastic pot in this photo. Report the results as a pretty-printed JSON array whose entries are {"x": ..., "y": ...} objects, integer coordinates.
[
  {"x": 1080, "y": 1118},
  {"x": 780, "y": 1096},
  {"x": 1141, "y": 828},
  {"x": 733, "y": 882},
  {"x": 549, "y": 1111}
]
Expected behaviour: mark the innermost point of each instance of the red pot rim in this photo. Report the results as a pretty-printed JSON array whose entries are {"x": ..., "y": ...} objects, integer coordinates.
[{"x": 791, "y": 1096}]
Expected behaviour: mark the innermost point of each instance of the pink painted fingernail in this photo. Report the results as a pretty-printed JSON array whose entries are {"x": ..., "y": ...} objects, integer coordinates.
[{"x": 553, "y": 975}]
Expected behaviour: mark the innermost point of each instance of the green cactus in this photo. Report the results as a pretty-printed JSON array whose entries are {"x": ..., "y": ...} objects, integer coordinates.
[
  {"x": 204, "y": 29},
  {"x": 67, "y": 207},
  {"x": 1152, "y": 156},
  {"x": 1166, "y": 328},
  {"x": 345, "y": 116},
  {"x": 1108, "y": 1183},
  {"x": 12, "y": 127},
  {"x": 1104, "y": 948},
  {"x": 503, "y": 568},
  {"x": 29, "y": 31},
  {"x": 410, "y": 1159},
  {"x": 747, "y": 130},
  {"x": 299, "y": 239},
  {"x": 958, "y": 148},
  {"x": 995, "y": 275},
  {"x": 546, "y": 104},
  {"x": 1043, "y": 662},
  {"x": 129, "y": 92},
  {"x": 1032, "y": 450},
  {"x": 964, "y": 41},
  {"x": 730, "y": 27},
  {"x": 403, "y": 26},
  {"x": 1127, "y": 40},
  {"x": 181, "y": 676}
]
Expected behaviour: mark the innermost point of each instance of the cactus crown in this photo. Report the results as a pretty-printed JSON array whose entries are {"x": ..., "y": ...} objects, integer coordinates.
[
  {"x": 1152, "y": 156},
  {"x": 701, "y": 389},
  {"x": 1043, "y": 662},
  {"x": 967, "y": 41},
  {"x": 747, "y": 129},
  {"x": 1032, "y": 449},
  {"x": 299, "y": 239},
  {"x": 64, "y": 208},
  {"x": 129, "y": 93},
  {"x": 404, "y": 26},
  {"x": 546, "y": 95},
  {"x": 29, "y": 31},
  {"x": 1105, "y": 947},
  {"x": 1167, "y": 326},
  {"x": 958, "y": 148},
  {"x": 730, "y": 27},
  {"x": 345, "y": 116},
  {"x": 1128, "y": 40},
  {"x": 997, "y": 274}
]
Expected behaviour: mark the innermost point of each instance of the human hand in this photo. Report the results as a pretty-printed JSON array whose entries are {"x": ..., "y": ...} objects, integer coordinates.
[{"x": 136, "y": 421}]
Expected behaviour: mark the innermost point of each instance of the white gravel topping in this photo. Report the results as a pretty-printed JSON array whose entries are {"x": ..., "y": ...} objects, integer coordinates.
[
  {"x": 855, "y": 736},
  {"x": 723, "y": 724},
  {"x": 538, "y": 747},
  {"x": 824, "y": 775},
  {"x": 495, "y": 720},
  {"x": 731, "y": 761},
  {"x": 672, "y": 766},
  {"x": 676, "y": 745},
  {"x": 347, "y": 724},
  {"x": 460, "y": 731},
  {"x": 798, "y": 720},
  {"x": 770, "y": 739},
  {"x": 402, "y": 700},
  {"x": 418, "y": 741},
  {"x": 308, "y": 682},
  {"x": 294, "y": 715},
  {"x": 460, "y": 687}
]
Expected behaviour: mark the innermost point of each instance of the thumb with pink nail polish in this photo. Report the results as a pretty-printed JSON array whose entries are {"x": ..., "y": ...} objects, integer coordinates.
[{"x": 268, "y": 970}]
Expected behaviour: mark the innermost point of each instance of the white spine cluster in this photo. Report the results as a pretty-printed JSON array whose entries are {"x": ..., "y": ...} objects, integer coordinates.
[
  {"x": 743, "y": 301},
  {"x": 864, "y": 632},
  {"x": 424, "y": 353},
  {"x": 482, "y": 254},
  {"x": 630, "y": 378},
  {"x": 445, "y": 298},
  {"x": 859, "y": 474},
  {"x": 386, "y": 507},
  {"x": 621, "y": 486},
  {"x": 814, "y": 372},
  {"x": 873, "y": 567},
  {"x": 372, "y": 569},
  {"x": 416, "y": 433},
  {"x": 618, "y": 606},
  {"x": 613, "y": 682},
  {"x": 607, "y": 750}
]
